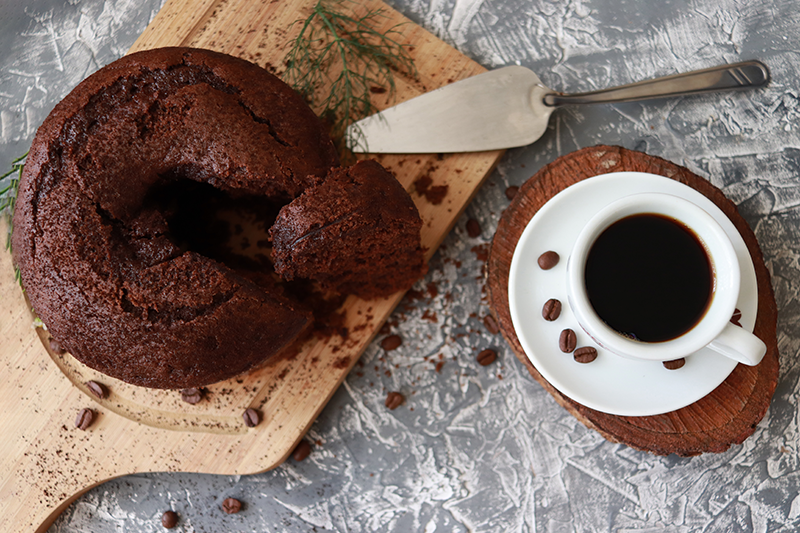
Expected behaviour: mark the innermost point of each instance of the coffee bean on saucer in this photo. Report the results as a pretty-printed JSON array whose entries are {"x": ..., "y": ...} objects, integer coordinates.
[
  {"x": 487, "y": 357},
  {"x": 567, "y": 341},
  {"x": 97, "y": 389},
  {"x": 251, "y": 417},
  {"x": 231, "y": 505},
  {"x": 586, "y": 354},
  {"x": 302, "y": 451},
  {"x": 84, "y": 419},
  {"x": 548, "y": 260},
  {"x": 675, "y": 364},
  {"x": 551, "y": 309},
  {"x": 473, "y": 228},
  {"x": 192, "y": 396},
  {"x": 169, "y": 519},
  {"x": 394, "y": 400},
  {"x": 391, "y": 342}
]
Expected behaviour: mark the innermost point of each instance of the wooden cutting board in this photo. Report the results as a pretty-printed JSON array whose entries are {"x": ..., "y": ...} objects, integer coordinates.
[{"x": 46, "y": 462}]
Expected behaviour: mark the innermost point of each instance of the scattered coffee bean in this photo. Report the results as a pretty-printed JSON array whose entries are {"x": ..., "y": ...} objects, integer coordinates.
[
  {"x": 587, "y": 354},
  {"x": 192, "y": 396},
  {"x": 491, "y": 324},
  {"x": 674, "y": 365},
  {"x": 473, "y": 228},
  {"x": 548, "y": 260},
  {"x": 169, "y": 519},
  {"x": 487, "y": 357},
  {"x": 511, "y": 192},
  {"x": 231, "y": 505},
  {"x": 302, "y": 451},
  {"x": 97, "y": 389},
  {"x": 84, "y": 419},
  {"x": 567, "y": 341},
  {"x": 394, "y": 400},
  {"x": 391, "y": 342},
  {"x": 251, "y": 417},
  {"x": 551, "y": 309},
  {"x": 55, "y": 346}
]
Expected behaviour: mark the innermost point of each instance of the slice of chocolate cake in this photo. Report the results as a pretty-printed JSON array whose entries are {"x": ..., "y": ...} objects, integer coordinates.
[{"x": 358, "y": 232}]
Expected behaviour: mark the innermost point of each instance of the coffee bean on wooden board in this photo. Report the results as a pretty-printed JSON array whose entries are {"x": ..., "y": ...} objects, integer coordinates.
[
  {"x": 251, "y": 417},
  {"x": 192, "y": 396},
  {"x": 551, "y": 309},
  {"x": 567, "y": 341},
  {"x": 674, "y": 364},
  {"x": 487, "y": 357},
  {"x": 97, "y": 389},
  {"x": 473, "y": 228},
  {"x": 169, "y": 519},
  {"x": 231, "y": 505},
  {"x": 84, "y": 419},
  {"x": 394, "y": 400},
  {"x": 302, "y": 450},
  {"x": 586, "y": 354},
  {"x": 391, "y": 342},
  {"x": 548, "y": 260}
]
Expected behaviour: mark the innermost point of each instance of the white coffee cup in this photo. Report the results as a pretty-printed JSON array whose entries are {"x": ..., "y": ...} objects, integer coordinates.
[{"x": 713, "y": 330}]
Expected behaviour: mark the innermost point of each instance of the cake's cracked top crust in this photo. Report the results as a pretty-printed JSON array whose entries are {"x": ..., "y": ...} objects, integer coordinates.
[{"x": 95, "y": 254}]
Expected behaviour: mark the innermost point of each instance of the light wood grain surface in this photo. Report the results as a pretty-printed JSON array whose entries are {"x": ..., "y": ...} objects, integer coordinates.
[{"x": 46, "y": 462}]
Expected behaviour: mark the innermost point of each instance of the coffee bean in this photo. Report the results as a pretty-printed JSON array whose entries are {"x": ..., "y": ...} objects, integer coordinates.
[
  {"x": 391, "y": 342},
  {"x": 97, "y": 389},
  {"x": 84, "y": 419},
  {"x": 511, "y": 192},
  {"x": 251, "y": 417},
  {"x": 548, "y": 260},
  {"x": 675, "y": 364},
  {"x": 231, "y": 505},
  {"x": 192, "y": 396},
  {"x": 394, "y": 400},
  {"x": 551, "y": 309},
  {"x": 302, "y": 451},
  {"x": 587, "y": 354},
  {"x": 487, "y": 357},
  {"x": 567, "y": 341},
  {"x": 473, "y": 228},
  {"x": 169, "y": 519},
  {"x": 55, "y": 346},
  {"x": 491, "y": 324}
]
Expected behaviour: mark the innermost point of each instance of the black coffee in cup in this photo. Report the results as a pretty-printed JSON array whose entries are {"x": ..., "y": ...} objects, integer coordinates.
[{"x": 649, "y": 277}]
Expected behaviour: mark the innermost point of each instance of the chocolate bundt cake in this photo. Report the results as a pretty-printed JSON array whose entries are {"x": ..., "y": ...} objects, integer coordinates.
[
  {"x": 95, "y": 236},
  {"x": 357, "y": 232}
]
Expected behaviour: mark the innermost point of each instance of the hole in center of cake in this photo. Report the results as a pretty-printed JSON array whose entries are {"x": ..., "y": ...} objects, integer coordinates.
[{"x": 229, "y": 228}]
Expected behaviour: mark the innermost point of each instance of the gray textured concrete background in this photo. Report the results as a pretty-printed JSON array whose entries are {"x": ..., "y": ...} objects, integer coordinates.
[{"x": 486, "y": 448}]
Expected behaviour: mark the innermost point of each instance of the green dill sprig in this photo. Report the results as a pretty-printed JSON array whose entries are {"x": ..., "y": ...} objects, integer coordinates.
[
  {"x": 344, "y": 51},
  {"x": 9, "y": 186}
]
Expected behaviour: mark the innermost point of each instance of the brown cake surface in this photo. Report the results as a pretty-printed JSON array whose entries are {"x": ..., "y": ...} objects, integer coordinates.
[
  {"x": 95, "y": 252},
  {"x": 357, "y": 232}
]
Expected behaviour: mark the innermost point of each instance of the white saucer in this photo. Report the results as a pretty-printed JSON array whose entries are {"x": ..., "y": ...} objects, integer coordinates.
[{"x": 610, "y": 384}]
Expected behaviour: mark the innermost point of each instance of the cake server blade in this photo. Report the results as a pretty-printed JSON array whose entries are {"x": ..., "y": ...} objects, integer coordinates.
[{"x": 510, "y": 107}]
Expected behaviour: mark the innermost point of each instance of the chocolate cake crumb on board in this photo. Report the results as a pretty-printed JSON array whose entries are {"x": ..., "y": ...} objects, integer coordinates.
[{"x": 730, "y": 413}]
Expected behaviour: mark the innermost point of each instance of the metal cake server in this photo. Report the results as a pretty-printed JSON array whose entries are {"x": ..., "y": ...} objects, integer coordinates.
[{"x": 510, "y": 107}]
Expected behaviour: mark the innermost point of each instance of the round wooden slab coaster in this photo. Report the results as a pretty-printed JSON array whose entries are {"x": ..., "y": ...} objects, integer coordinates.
[{"x": 730, "y": 413}]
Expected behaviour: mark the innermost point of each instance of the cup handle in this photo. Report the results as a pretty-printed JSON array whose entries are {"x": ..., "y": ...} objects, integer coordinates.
[{"x": 739, "y": 345}]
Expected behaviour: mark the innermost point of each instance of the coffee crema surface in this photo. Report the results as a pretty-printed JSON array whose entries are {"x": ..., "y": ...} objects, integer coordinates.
[{"x": 649, "y": 277}]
